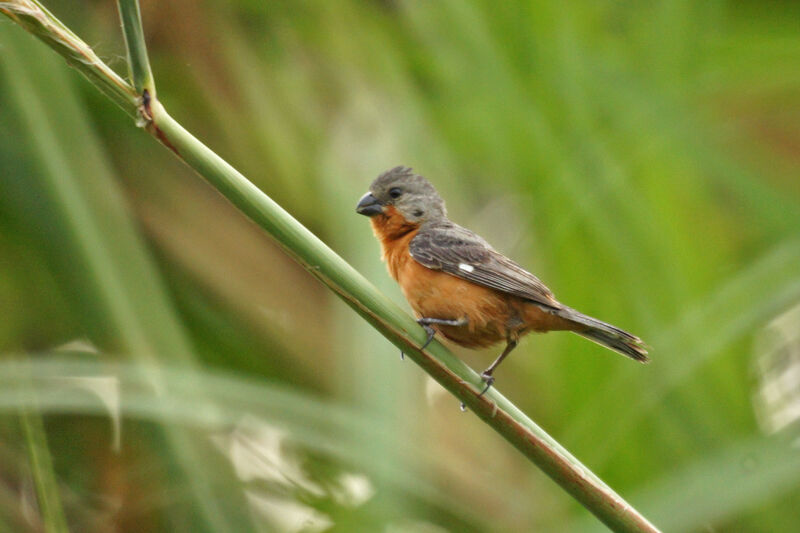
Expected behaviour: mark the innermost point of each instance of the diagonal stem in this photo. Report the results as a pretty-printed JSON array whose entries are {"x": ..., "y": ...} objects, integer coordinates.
[
  {"x": 324, "y": 264},
  {"x": 36, "y": 19}
]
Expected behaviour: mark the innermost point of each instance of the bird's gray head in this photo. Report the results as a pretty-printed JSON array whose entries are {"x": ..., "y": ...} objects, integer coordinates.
[{"x": 411, "y": 195}]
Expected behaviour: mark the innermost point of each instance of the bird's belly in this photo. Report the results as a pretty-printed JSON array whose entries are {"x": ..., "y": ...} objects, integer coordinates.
[{"x": 435, "y": 294}]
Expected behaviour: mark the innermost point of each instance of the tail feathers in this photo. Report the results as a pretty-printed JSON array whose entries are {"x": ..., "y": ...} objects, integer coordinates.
[{"x": 607, "y": 335}]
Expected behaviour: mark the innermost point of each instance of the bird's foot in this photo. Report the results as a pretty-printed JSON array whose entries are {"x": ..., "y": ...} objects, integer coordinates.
[
  {"x": 429, "y": 330},
  {"x": 427, "y": 322},
  {"x": 489, "y": 380}
]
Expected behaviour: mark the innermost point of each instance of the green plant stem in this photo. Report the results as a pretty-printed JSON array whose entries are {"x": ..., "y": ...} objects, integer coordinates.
[
  {"x": 384, "y": 315},
  {"x": 36, "y": 19},
  {"x": 138, "y": 61},
  {"x": 41, "y": 463}
]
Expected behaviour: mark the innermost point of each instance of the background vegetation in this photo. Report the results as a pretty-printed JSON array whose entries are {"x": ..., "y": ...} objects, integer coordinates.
[{"x": 641, "y": 157}]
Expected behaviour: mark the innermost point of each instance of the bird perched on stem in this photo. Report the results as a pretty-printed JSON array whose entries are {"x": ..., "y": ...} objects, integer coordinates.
[{"x": 458, "y": 285}]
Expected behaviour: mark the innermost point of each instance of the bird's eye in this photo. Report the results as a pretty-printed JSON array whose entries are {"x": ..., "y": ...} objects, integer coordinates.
[{"x": 395, "y": 192}]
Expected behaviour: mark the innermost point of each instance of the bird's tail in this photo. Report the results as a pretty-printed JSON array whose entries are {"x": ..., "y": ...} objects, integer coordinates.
[{"x": 606, "y": 335}]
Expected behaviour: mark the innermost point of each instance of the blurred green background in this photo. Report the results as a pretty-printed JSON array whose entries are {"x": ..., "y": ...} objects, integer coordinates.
[{"x": 642, "y": 158}]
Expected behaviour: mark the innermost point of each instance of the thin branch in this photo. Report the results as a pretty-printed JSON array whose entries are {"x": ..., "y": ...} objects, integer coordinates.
[
  {"x": 395, "y": 324},
  {"x": 36, "y": 19},
  {"x": 138, "y": 62}
]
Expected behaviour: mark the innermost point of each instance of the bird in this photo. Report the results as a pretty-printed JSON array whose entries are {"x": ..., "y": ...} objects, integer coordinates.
[{"x": 461, "y": 287}]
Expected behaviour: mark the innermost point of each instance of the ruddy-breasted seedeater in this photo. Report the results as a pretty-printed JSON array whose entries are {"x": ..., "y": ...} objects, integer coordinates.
[{"x": 458, "y": 285}]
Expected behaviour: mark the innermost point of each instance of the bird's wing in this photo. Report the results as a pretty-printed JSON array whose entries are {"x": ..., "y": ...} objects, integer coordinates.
[{"x": 459, "y": 252}]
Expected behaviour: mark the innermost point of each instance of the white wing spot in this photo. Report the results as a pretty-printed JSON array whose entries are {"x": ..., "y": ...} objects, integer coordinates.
[{"x": 465, "y": 267}]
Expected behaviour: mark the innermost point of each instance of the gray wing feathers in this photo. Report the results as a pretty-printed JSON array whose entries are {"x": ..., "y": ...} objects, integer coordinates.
[{"x": 457, "y": 251}]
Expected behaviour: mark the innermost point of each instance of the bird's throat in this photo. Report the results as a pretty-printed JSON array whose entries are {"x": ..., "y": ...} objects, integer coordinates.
[
  {"x": 394, "y": 233},
  {"x": 391, "y": 225}
]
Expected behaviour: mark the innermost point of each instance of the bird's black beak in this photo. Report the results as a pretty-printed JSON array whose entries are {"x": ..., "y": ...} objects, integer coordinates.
[{"x": 369, "y": 206}]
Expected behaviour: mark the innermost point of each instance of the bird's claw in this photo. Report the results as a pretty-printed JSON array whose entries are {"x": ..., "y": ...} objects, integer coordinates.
[
  {"x": 426, "y": 322},
  {"x": 430, "y": 331},
  {"x": 489, "y": 380}
]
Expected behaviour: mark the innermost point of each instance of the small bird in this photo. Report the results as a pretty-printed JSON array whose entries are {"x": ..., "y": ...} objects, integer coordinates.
[{"x": 458, "y": 285}]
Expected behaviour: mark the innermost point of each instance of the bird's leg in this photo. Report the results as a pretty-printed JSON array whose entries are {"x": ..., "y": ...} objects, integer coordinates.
[
  {"x": 486, "y": 375},
  {"x": 426, "y": 323}
]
